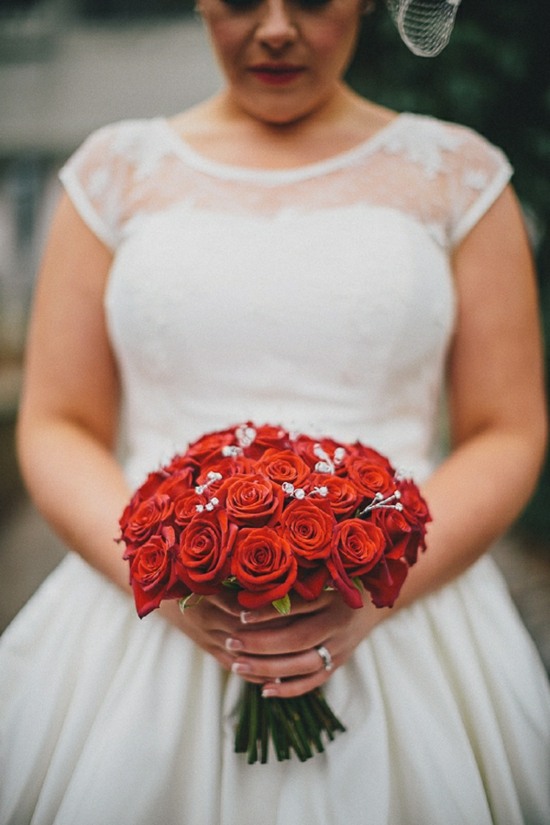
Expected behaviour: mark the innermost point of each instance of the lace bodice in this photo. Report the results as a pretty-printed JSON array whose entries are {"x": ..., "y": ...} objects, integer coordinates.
[
  {"x": 441, "y": 175},
  {"x": 320, "y": 297}
]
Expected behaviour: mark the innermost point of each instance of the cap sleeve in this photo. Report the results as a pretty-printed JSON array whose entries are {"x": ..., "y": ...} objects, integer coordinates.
[
  {"x": 479, "y": 173},
  {"x": 97, "y": 177}
]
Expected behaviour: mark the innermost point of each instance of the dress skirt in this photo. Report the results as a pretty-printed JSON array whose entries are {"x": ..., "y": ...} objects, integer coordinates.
[{"x": 106, "y": 718}]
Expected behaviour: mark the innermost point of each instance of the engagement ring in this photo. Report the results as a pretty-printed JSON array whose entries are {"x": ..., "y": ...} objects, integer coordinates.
[{"x": 325, "y": 656}]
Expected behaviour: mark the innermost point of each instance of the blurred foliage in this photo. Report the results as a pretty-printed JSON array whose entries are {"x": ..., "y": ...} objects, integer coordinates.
[
  {"x": 495, "y": 77},
  {"x": 7, "y": 6}
]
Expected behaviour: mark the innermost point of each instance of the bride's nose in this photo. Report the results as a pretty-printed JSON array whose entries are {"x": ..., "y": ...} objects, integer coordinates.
[{"x": 276, "y": 27}]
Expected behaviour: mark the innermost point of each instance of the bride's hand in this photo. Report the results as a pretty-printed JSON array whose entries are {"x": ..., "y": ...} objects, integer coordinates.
[
  {"x": 209, "y": 621},
  {"x": 279, "y": 652},
  {"x": 286, "y": 649}
]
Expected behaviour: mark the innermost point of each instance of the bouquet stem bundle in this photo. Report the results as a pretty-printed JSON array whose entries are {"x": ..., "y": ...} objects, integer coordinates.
[{"x": 290, "y": 724}]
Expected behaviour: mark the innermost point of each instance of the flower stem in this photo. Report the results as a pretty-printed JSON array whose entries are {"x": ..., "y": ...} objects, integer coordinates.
[
  {"x": 311, "y": 723},
  {"x": 253, "y": 729},
  {"x": 289, "y": 724}
]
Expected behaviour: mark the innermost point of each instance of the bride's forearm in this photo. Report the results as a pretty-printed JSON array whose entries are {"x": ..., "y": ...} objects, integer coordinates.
[
  {"x": 474, "y": 497},
  {"x": 78, "y": 486}
]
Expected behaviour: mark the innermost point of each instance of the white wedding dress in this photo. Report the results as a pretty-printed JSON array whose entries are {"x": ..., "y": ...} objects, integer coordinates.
[{"x": 320, "y": 298}]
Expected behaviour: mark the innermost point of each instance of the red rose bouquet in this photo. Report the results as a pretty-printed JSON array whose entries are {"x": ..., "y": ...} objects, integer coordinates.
[{"x": 271, "y": 514}]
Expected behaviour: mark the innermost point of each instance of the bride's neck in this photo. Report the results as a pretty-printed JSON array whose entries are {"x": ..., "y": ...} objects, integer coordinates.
[{"x": 224, "y": 132}]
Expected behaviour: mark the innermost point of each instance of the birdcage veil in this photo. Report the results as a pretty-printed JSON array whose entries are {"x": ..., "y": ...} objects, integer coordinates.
[{"x": 425, "y": 26}]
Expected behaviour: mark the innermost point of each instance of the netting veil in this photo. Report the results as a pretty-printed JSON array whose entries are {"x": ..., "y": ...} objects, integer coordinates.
[{"x": 425, "y": 26}]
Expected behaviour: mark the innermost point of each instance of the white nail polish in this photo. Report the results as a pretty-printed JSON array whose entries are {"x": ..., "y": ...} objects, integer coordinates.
[
  {"x": 239, "y": 669},
  {"x": 233, "y": 645}
]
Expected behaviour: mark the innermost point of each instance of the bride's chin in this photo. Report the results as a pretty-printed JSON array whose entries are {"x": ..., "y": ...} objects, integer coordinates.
[
  {"x": 282, "y": 120},
  {"x": 280, "y": 115}
]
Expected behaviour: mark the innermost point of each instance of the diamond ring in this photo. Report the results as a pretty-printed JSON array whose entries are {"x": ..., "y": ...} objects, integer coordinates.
[{"x": 325, "y": 656}]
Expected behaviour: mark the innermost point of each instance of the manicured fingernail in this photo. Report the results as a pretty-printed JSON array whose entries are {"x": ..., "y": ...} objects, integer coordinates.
[
  {"x": 247, "y": 616},
  {"x": 239, "y": 668},
  {"x": 233, "y": 644},
  {"x": 267, "y": 692}
]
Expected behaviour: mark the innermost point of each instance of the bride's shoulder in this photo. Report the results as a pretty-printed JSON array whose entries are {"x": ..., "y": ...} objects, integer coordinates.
[
  {"x": 117, "y": 154},
  {"x": 448, "y": 137},
  {"x": 443, "y": 149},
  {"x": 467, "y": 171},
  {"x": 123, "y": 137}
]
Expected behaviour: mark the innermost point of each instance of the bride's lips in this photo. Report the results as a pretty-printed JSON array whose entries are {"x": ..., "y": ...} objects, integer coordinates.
[{"x": 276, "y": 74}]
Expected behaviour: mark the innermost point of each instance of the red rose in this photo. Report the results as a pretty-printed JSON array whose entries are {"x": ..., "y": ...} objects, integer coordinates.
[
  {"x": 140, "y": 522},
  {"x": 182, "y": 466},
  {"x": 266, "y": 437},
  {"x": 415, "y": 508},
  {"x": 179, "y": 481},
  {"x": 226, "y": 467},
  {"x": 264, "y": 566},
  {"x": 210, "y": 445},
  {"x": 310, "y": 581},
  {"x": 415, "y": 543},
  {"x": 341, "y": 494},
  {"x": 185, "y": 506},
  {"x": 405, "y": 529},
  {"x": 357, "y": 546},
  {"x": 396, "y": 529},
  {"x": 251, "y": 500},
  {"x": 203, "y": 553},
  {"x": 358, "y": 450},
  {"x": 384, "y": 584},
  {"x": 147, "y": 490},
  {"x": 308, "y": 527},
  {"x": 151, "y": 573},
  {"x": 370, "y": 478},
  {"x": 322, "y": 455},
  {"x": 283, "y": 466},
  {"x": 149, "y": 487}
]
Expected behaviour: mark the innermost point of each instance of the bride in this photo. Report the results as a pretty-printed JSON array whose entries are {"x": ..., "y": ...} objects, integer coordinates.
[{"x": 285, "y": 252}]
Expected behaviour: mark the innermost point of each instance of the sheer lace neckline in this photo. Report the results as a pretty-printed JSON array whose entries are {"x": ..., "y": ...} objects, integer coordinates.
[{"x": 229, "y": 171}]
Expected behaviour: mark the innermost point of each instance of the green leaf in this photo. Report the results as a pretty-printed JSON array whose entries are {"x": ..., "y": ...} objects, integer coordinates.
[
  {"x": 231, "y": 583},
  {"x": 283, "y": 605},
  {"x": 359, "y": 585},
  {"x": 184, "y": 604}
]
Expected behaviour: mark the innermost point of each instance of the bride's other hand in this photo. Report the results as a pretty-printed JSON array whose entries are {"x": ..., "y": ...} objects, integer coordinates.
[
  {"x": 293, "y": 666},
  {"x": 209, "y": 621}
]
